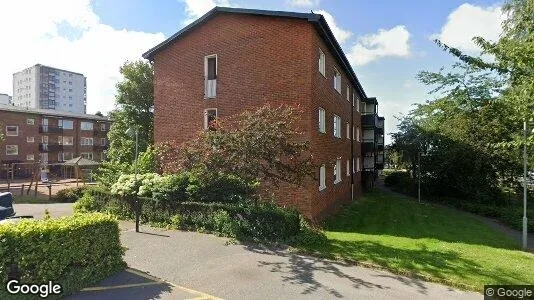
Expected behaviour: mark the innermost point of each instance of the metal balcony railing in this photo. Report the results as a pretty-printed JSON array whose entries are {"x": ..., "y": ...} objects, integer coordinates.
[{"x": 50, "y": 129}]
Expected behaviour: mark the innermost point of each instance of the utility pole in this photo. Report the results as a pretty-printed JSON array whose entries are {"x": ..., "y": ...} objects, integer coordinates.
[
  {"x": 419, "y": 176},
  {"x": 525, "y": 185}
]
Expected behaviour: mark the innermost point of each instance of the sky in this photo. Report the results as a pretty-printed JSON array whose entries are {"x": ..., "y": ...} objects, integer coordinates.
[{"x": 387, "y": 41}]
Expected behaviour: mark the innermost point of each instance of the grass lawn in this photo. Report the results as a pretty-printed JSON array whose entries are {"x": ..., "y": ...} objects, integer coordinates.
[{"x": 433, "y": 243}]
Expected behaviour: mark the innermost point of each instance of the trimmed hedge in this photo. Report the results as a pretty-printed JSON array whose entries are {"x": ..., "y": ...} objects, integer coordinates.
[
  {"x": 70, "y": 195},
  {"x": 75, "y": 251},
  {"x": 263, "y": 221}
]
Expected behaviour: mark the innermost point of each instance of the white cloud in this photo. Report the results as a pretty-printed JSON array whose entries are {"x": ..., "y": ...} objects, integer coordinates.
[
  {"x": 341, "y": 34},
  {"x": 392, "y": 42},
  {"x": 196, "y": 8},
  {"x": 468, "y": 21},
  {"x": 303, "y": 3},
  {"x": 96, "y": 50}
]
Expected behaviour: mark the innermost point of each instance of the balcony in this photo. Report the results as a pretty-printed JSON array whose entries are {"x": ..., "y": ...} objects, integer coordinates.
[
  {"x": 43, "y": 147},
  {"x": 368, "y": 162},
  {"x": 369, "y": 120},
  {"x": 100, "y": 132},
  {"x": 50, "y": 129},
  {"x": 368, "y": 145}
]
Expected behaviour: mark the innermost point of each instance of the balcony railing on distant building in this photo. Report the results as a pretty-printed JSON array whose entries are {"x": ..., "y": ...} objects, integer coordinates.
[
  {"x": 45, "y": 147},
  {"x": 50, "y": 129},
  {"x": 368, "y": 162}
]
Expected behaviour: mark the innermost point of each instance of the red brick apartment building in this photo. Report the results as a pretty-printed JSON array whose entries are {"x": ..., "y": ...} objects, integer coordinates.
[
  {"x": 33, "y": 136},
  {"x": 233, "y": 59}
]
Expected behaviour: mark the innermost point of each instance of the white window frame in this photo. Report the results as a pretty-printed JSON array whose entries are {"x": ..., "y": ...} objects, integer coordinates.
[
  {"x": 68, "y": 138},
  {"x": 61, "y": 124},
  {"x": 86, "y": 128},
  {"x": 322, "y": 177},
  {"x": 206, "y": 116},
  {"x": 17, "y": 130},
  {"x": 357, "y": 103},
  {"x": 353, "y": 165},
  {"x": 358, "y": 134},
  {"x": 102, "y": 126},
  {"x": 348, "y": 92},
  {"x": 30, "y": 157},
  {"x": 321, "y": 122},
  {"x": 87, "y": 155},
  {"x": 30, "y": 121},
  {"x": 358, "y": 164},
  {"x": 103, "y": 142},
  {"x": 348, "y": 168},
  {"x": 322, "y": 63},
  {"x": 30, "y": 139},
  {"x": 348, "y": 130},
  {"x": 83, "y": 141},
  {"x": 337, "y": 126},
  {"x": 208, "y": 83},
  {"x": 337, "y": 80},
  {"x": 16, "y": 147},
  {"x": 337, "y": 171}
]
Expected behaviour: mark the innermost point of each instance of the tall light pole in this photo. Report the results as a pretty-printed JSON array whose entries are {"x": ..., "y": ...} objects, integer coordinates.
[
  {"x": 133, "y": 131},
  {"x": 419, "y": 176},
  {"x": 525, "y": 186}
]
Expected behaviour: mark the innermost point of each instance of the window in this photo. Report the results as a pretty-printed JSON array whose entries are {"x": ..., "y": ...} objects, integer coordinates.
[
  {"x": 30, "y": 157},
  {"x": 102, "y": 126},
  {"x": 210, "y": 76},
  {"x": 44, "y": 139},
  {"x": 30, "y": 121},
  {"x": 348, "y": 93},
  {"x": 358, "y": 164},
  {"x": 337, "y": 171},
  {"x": 12, "y": 150},
  {"x": 67, "y": 140},
  {"x": 30, "y": 139},
  {"x": 103, "y": 141},
  {"x": 337, "y": 80},
  {"x": 358, "y": 134},
  {"x": 322, "y": 178},
  {"x": 337, "y": 126},
  {"x": 348, "y": 130},
  {"x": 357, "y": 103},
  {"x": 322, "y": 120},
  {"x": 12, "y": 130},
  {"x": 86, "y": 141},
  {"x": 322, "y": 63},
  {"x": 353, "y": 134},
  {"x": 66, "y": 156},
  {"x": 86, "y": 126},
  {"x": 353, "y": 166},
  {"x": 66, "y": 124},
  {"x": 87, "y": 155},
  {"x": 348, "y": 167},
  {"x": 210, "y": 115}
]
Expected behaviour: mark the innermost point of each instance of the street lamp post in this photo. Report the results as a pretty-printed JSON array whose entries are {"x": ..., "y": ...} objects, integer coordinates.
[
  {"x": 131, "y": 132},
  {"x": 525, "y": 186}
]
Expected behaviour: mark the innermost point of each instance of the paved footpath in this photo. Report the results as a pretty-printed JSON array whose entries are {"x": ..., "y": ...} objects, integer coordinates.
[
  {"x": 210, "y": 264},
  {"x": 190, "y": 265}
]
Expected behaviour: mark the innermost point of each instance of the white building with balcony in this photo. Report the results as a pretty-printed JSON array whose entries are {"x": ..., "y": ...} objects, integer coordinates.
[{"x": 42, "y": 87}]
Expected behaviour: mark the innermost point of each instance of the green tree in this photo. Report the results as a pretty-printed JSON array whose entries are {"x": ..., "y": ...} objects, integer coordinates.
[
  {"x": 256, "y": 145},
  {"x": 134, "y": 108}
]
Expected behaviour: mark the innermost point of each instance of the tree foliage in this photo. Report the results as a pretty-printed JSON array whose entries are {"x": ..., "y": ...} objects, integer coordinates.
[
  {"x": 134, "y": 108},
  {"x": 470, "y": 133},
  {"x": 256, "y": 145}
]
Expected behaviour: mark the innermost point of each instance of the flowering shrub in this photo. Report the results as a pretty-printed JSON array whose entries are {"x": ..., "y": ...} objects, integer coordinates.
[{"x": 136, "y": 185}]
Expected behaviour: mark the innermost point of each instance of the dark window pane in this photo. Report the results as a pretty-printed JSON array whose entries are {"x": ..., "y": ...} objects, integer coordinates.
[{"x": 212, "y": 68}]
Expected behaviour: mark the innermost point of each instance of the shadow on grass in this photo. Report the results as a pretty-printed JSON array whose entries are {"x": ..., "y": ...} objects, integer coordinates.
[
  {"x": 444, "y": 266},
  {"x": 383, "y": 213}
]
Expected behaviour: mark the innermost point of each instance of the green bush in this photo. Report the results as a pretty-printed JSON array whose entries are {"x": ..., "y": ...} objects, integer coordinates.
[
  {"x": 245, "y": 220},
  {"x": 75, "y": 251},
  {"x": 219, "y": 188},
  {"x": 86, "y": 203},
  {"x": 70, "y": 195}
]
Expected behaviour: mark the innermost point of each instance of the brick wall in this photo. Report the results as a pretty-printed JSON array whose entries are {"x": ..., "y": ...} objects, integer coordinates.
[{"x": 260, "y": 59}]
